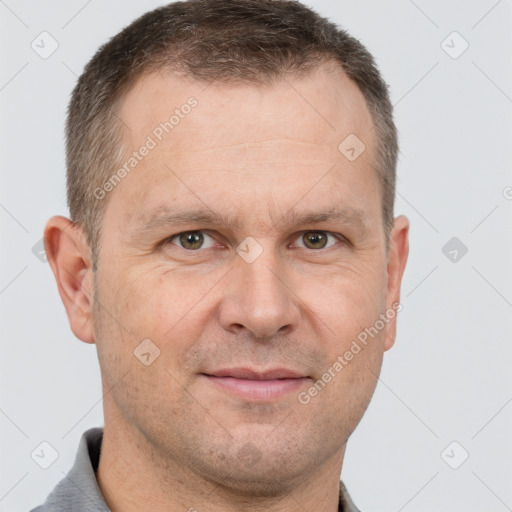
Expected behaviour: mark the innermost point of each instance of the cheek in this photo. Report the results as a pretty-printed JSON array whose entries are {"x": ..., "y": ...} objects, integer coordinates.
[
  {"x": 337, "y": 400},
  {"x": 354, "y": 343},
  {"x": 352, "y": 299},
  {"x": 125, "y": 318},
  {"x": 163, "y": 306},
  {"x": 358, "y": 383}
]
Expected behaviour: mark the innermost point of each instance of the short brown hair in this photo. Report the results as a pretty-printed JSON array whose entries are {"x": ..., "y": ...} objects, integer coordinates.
[{"x": 232, "y": 41}]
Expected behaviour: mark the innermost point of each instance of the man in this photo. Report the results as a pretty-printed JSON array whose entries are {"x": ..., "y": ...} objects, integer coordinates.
[{"x": 233, "y": 255}]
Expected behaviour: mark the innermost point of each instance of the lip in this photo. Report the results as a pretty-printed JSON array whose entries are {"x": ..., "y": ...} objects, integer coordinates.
[
  {"x": 248, "y": 373},
  {"x": 261, "y": 386}
]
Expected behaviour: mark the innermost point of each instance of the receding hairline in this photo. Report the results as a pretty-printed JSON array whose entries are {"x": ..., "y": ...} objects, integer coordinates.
[
  {"x": 327, "y": 63},
  {"x": 230, "y": 40}
]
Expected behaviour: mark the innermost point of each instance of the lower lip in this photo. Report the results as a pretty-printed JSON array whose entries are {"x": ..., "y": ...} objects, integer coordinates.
[{"x": 260, "y": 390}]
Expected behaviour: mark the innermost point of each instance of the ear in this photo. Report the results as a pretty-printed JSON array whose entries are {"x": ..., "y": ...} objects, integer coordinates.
[
  {"x": 69, "y": 257},
  {"x": 397, "y": 258}
]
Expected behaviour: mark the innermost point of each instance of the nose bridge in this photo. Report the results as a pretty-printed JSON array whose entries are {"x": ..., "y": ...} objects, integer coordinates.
[
  {"x": 261, "y": 281},
  {"x": 258, "y": 297}
]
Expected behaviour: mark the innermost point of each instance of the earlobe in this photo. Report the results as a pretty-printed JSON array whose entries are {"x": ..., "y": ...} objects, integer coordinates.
[
  {"x": 397, "y": 259},
  {"x": 69, "y": 257}
]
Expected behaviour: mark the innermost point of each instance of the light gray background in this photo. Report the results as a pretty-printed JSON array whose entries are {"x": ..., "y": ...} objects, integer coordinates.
[{"x": 448, "y": 377}]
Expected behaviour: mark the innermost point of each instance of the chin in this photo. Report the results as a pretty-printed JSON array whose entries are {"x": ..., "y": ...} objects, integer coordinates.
[
  {"x": 264, "y": 482},
  {"x": 253, "y": 467}
]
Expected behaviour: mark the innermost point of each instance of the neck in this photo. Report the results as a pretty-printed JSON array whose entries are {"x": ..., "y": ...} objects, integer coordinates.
[{"x": 133, "y": 476}]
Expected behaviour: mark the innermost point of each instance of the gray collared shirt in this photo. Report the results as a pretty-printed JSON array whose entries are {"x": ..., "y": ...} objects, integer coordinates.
[{"x": 79, "y": 490}]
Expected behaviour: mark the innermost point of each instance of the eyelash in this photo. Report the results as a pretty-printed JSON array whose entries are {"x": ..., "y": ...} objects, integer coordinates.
[{"x": 339, "y": 237}]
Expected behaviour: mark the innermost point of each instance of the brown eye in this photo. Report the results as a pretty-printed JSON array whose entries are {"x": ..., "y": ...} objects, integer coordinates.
[
  {"x": 315, "y": 239},
  {"x": 191, "y": 240}
]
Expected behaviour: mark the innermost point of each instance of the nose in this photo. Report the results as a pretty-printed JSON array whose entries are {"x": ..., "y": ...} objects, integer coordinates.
[{"x": 259, "y": 299}]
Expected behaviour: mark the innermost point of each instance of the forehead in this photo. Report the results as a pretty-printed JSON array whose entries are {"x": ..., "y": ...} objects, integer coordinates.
[
  {"x": 257, "y": 140},
  {"x": 322, "y": 104}
]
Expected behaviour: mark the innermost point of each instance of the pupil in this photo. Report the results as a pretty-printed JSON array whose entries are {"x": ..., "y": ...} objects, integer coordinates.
[
  {"x": 314, "y": 238},
  {"x": 192, "y": 240}
]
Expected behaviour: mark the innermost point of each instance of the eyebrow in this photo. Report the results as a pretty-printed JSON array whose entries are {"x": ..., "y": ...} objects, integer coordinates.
[{"x": 165, "y": 217}]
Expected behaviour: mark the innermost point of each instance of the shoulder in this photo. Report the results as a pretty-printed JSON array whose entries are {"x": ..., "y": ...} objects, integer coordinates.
[
  {"x": 79, "y": 490},
  {"x": 346, "y": 503}
]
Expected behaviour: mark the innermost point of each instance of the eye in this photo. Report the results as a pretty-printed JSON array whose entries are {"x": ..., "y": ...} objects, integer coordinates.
[
  {"x": 316, "y": 240},
  {"x": 192, "y": 240}
]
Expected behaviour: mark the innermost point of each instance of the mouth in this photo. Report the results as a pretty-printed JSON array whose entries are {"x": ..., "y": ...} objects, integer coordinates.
[{"x": 252, "y": 385}]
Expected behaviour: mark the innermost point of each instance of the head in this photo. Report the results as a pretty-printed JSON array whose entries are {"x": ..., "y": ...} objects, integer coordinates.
[{"x": 231, "y": 173}]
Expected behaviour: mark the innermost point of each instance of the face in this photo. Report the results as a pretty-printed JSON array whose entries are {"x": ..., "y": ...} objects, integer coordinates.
[{"x": 247, "y": 249}]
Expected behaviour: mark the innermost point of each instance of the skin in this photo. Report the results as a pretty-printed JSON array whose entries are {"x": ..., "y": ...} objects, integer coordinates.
[{"x": 172, "y": 439}]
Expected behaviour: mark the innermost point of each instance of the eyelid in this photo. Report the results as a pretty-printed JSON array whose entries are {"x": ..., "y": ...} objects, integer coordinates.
[
  {"x": 177, "y": 235},
  {"x": 337, "y": 236}
]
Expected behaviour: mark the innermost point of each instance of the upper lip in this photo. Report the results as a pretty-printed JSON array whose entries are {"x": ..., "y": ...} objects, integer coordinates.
[{"x": 247, "y": 373}]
